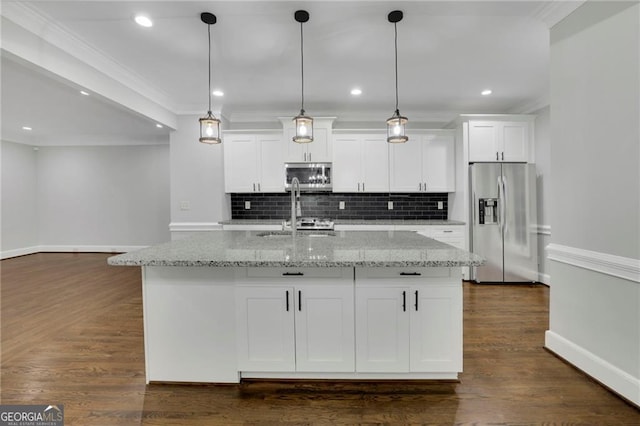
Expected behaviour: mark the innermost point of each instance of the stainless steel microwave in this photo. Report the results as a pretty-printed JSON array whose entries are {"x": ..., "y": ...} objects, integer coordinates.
[{"x": 312, "y": 176}]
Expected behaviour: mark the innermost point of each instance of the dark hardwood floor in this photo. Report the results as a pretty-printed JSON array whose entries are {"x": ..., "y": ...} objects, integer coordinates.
[{"x": 72, "y": 334}]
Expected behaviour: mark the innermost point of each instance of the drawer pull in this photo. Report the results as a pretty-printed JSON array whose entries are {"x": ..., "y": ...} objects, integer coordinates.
[
  {"x": 299, "y": 300},
  {"x": 447, "y": 231},
  {"x": 410, "y": 274},
  {"x": 287, "y": 300},
  {"x": 404, "y": 301},
  {"x": 416, "y": 305},
  {"x": 292, "y": 274}
]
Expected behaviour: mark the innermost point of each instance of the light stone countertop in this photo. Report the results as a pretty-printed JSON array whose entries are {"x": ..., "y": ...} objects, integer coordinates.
[
  {"x": 349, "y": 222},
  {"x": 344, "y": 249}
]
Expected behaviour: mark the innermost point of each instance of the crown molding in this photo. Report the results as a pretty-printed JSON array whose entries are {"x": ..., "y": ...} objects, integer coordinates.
[
  {"x": 57, "y": 35},
  {"x": 552, "y": 12}
]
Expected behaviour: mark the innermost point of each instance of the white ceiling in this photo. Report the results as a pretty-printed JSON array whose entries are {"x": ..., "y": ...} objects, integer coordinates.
[{"x": 448, "y": 52}]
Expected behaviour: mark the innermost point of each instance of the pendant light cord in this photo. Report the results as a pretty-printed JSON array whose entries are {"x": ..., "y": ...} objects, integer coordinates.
[
  {"x": 395, "y": 29},
  {"x": 209, "y": 33},
  {"x": 302, "y": 67}
]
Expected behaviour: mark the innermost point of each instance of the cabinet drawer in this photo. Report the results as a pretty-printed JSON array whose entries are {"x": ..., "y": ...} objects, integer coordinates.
[
  {"x": 408, "y": 275},
  {"x": 280, "y": 275},
  {"x": 445, "y": 232}
]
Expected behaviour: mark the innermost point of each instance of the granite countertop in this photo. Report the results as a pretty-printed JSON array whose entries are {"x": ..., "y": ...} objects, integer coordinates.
[
  {"x": 344, "y": 248},
  {"x": 349, "y": 222}
]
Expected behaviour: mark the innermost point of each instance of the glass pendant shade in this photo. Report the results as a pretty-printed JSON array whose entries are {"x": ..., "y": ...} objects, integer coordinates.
[
  {"x": 396, "y": 128},
  {"x": 210, "y": 129},
  {"x": 304, "y": 128}
]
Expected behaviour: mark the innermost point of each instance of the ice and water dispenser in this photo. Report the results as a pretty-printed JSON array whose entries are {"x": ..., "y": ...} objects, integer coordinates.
[{"x": 488, "y": 211}]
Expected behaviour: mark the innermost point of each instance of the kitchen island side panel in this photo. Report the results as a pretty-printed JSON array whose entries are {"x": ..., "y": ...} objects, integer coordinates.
[{"x": 189, "y": 324}]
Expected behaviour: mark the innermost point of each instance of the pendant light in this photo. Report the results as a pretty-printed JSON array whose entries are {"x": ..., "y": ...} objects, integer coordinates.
[
  {"x": 303, "y": 123},
  {"x": 209, "y": 125},
  {"x": 396, "y": 130}
]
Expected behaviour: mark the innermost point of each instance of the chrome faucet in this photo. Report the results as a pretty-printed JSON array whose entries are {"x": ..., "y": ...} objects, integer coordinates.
[{"x": 296, "y": 210}]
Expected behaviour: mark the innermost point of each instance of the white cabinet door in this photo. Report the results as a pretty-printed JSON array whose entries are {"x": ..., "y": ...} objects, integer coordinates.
[
  {"x": 318, "y": 151},
  {"x": 265, "y": 325},
  {"x": 375, "y": 164},
  {"x": 382, "y": 330},
  {"x": 492, "y": 141},
  {"x": 426, "y": 163},
  {"x": 436, "y": 328},
  {"x": 406, "y": 166},
  {"x": 271, "y": 163},
  {"x": 253, "y": 162},
  {"x": 438, "y": 163},
  {"x": 360, "y": 163},
  {"x": 324, "y": 321},
  {"x": 483, "y": 141},
  {"x": 515, "y": 141},
  {"x": 347, "y": 172},
  {"x": 240, "y": 163}
]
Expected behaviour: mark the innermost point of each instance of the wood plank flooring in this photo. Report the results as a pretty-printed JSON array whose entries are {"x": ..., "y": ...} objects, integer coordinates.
[{"x": 72, "y": 334}]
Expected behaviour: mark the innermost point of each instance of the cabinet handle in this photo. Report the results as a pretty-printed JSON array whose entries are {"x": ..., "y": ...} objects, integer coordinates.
[
  {"x": 358, "y": 186},
  {"x": 497, "y": 156},
  {"x": 287, "y": 300},
  {"x": 362, "y": 186},
  {"x": 299, "y": 300},
  {"x": 425, "y": 185},
  {"x": 447, "y": 231},
  {"x": 420, "y": 186},
  {"x": 404, "y": 301},
  {"x": 416, "y": 305},
  {"x": 259, "y": 190},
  {"x": 292, "y": 274},
  {"x": 411, "y": 274},
  {"x": 502, "y": 155},
  {"x": 305, "y": 156},
  {"x": 309, "y": 156},
  {"x": 254, "y": 187}
]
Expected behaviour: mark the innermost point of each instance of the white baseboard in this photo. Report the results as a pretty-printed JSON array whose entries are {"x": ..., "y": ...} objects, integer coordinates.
[
  {"x": 611, "y": 376},
  {"x": 194, "y": 226},
  {"x": 68, "y": 249},
  {"x": 616, "y": 266},
  {"x": 6, "y": 254},
  {"x": 544, "y": 278}
]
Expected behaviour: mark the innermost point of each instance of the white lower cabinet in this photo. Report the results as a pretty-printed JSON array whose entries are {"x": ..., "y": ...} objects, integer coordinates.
[
  {"x": 305, "y": 326},
  {"x": 406, "y": 324}
]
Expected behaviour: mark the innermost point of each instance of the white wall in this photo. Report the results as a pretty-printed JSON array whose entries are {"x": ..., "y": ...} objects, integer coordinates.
[
  {"x": 543, "y": 188},
  {"x": 595, "y": 197},
  {"x": 92, "y": 198},
  {"x": 18, "y": 199},
  {"x": 101, "y": 196},
  {"x": 197, "y": 177}
]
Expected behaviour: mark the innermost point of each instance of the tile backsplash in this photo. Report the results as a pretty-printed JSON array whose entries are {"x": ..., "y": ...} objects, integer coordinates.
[{"x": 356, "y": 206}]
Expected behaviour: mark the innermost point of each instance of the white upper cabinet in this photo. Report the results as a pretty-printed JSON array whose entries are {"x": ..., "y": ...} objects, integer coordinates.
[
  {"x": 360, "y": 163},
  {"x": 491, "y": 141},
  {"x": 426, "y": 163},
  {"x": 253, "y": 162},
  {"x": 318, "y": 151}
]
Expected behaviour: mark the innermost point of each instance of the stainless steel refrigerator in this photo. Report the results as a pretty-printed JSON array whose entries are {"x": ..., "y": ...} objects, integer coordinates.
[{"x": 503, "y": 220}]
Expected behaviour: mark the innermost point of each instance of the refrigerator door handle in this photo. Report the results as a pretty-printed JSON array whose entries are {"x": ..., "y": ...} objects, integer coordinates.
[
  {"x": 504, "y": 204},
  {"x": 499, "y": 209}
]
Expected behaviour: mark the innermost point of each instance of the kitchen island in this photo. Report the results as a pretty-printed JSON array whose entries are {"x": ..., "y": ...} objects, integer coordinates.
[{"x": 225, "y": 305}]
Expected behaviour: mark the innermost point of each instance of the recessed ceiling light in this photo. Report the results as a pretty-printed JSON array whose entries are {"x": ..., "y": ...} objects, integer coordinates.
[
  {"x": 143, "y": 21},
  {"x": 159, "y": 126},
  {"x": 486, "y": 92},
  {"x": 218, "y": 93},
  {"x": 356, "y": 92},
  {"x": 26, "y": 128},
  {"x": 82, "y": 92}
]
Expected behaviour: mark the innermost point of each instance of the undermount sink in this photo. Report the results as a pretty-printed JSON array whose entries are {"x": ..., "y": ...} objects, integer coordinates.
[{"x": 299, "y": 233}]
